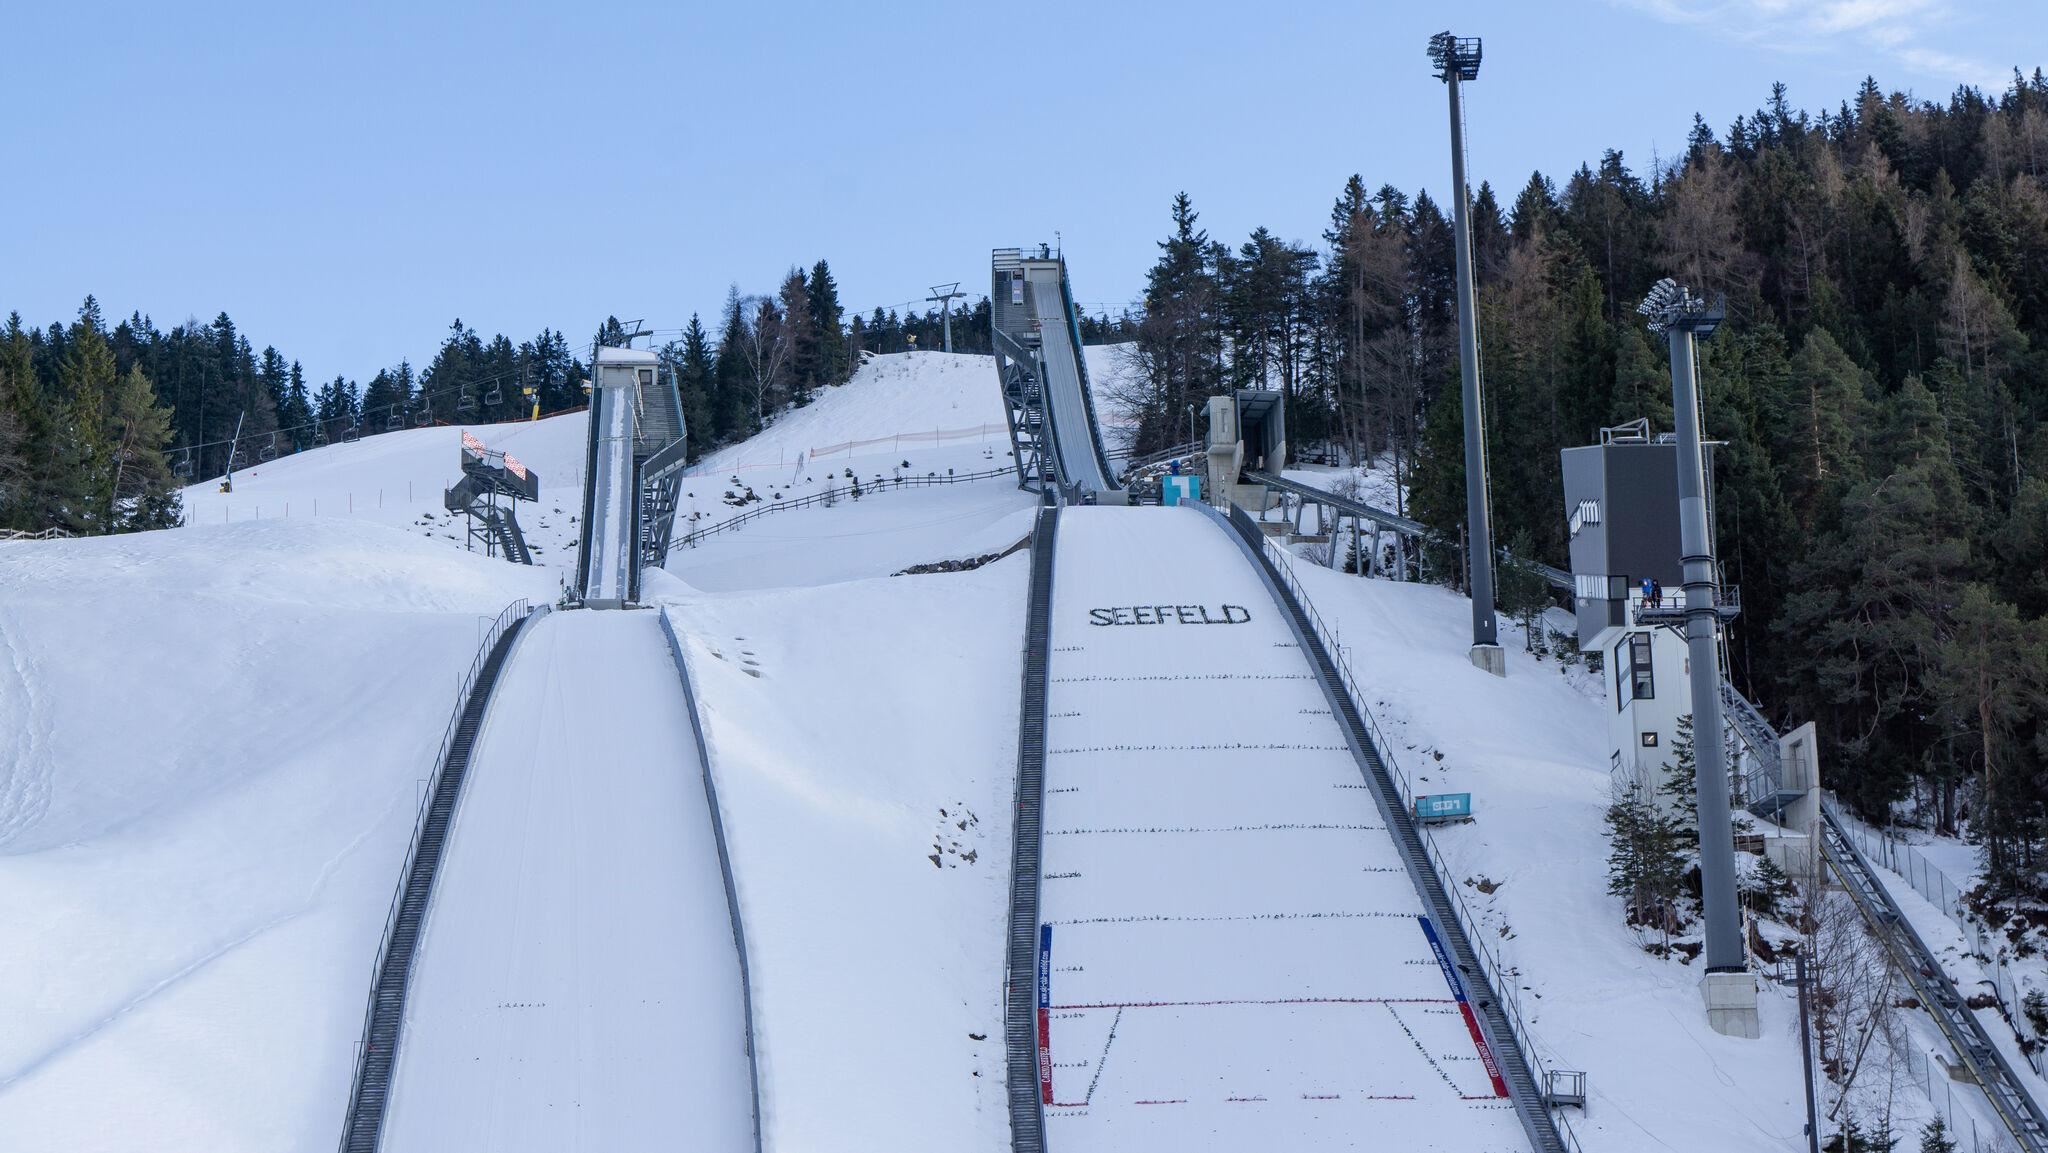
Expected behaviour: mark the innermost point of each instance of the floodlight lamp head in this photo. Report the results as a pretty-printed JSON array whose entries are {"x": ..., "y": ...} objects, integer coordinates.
[
  {"x": 1454, "y": 57},
  {"x": 1671, "y": 305}
]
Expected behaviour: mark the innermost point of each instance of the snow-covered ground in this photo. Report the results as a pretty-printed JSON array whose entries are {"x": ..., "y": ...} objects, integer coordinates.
[
  {"x": 1530, "y": 748},
  {"x": 577, "y": 986},
  {"x": 863, "y": 734},
  {"x": 1238, "y": 957},
  {"x": 208, "y": 774},
  {"x": 213, "y": 736}
]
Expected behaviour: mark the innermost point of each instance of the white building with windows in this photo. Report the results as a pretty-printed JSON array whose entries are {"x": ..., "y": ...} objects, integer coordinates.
[{"x": 1621, "y": 502}]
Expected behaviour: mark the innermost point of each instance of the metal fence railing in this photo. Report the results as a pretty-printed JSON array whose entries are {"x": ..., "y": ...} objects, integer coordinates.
[
  {"x": 1503, "y": 979},
  {"x": 510, "y": 617},
  {"x": 834, "y": 495}
]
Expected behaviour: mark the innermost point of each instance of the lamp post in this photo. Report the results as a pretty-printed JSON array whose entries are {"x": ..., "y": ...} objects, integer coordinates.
[
  {"x": 1683, "y": 319},
  {"x": 1457, "y": 60}
]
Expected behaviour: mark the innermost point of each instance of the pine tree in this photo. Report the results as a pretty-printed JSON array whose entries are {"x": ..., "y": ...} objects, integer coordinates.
[
  {"x": 697, "y": 384},
  {"x": 827, "y": 322},
  {"x": 1934, "y": 1136}
]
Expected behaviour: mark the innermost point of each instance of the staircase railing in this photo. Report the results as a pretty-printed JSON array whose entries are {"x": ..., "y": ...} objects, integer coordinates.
[
  {"x": 511, "y": 617},
  {"x": 1502, "y": 980}
]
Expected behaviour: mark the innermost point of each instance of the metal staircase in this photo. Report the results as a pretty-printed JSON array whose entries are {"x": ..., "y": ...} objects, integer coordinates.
[
  {"x": 487, "y": 476},
  {"x": 1765, "y": 792},
  {"x": 1020, "y": 1023},
  {"x": 1016, "y": 342},
  {"x": 384, "y": 1018},
  {"x": 1932, "y": 986},
  {"x": 1506, "y": 1039}
]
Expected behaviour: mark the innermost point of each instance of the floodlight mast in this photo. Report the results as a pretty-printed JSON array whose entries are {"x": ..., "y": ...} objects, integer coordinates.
[
  {"x": 946, "y": 294},
  {"x": 1457, "y": 60},
  {"x": 1682, "y": 318}
]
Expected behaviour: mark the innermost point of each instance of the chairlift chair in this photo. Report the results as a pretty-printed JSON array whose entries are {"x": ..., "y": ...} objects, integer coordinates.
[
  {"x": 183, "y": 465},
  {"x": 495, "y": 397},
  {"x": 319, "y": 436},
  {"x": 422, "y": 418},
  {"x": 269, "y": 451},
  {"x": 352, "y": 433},
  {"x": 393, "y": 422},
  {"x": 465, "y": 402}
]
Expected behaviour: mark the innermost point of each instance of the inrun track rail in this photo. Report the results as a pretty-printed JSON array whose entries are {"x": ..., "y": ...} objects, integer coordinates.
[
  {"x": 377, "y": 1053},
  {"x": 1020, "y": 1018}
]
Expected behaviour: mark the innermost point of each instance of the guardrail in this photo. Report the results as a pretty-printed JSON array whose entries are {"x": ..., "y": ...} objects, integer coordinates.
[
  {"x": 1020, "y": 1037},
  {"x": 1498, "y": 977},
  {"x": 512, "y": 616},
  {"x": 732, "y": 896},
  {"x": 834, "y": 495}
]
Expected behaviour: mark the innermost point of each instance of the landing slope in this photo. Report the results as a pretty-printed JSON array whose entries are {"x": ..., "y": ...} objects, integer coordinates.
[
  {"x": 1237, "y": 956},
  {"x": 578, "y": 987}
]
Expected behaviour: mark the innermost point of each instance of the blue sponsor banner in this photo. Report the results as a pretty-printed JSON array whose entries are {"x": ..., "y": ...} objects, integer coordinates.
[
  {"x": 1443, "y": 807},
  {"x": 1045, "y": 966}
]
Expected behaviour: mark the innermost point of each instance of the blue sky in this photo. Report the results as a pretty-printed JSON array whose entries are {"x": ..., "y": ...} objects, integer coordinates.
[{"x": 344, "y": 180}]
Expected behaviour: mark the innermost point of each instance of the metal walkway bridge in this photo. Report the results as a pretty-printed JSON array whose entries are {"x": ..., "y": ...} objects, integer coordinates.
[
  {"x": 1393, "y": 522},
  {"x": 1051, "y": 411}
]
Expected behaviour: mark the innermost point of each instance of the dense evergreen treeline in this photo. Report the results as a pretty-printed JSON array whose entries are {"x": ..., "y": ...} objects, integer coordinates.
[
  {"x": 99, "y": 426},
  {"x": 1881, "y": 388}
]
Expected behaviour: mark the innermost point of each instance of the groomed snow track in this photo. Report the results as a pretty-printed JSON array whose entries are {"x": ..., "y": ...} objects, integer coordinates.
[
  {"x": 1297, "y": 1007},
  {"x": 567, "y": 990},
  {"x": 362, "y": 1130}
]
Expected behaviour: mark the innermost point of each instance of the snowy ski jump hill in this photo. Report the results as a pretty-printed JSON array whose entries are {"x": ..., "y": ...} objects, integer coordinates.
[{"x": 215, "y": 740}]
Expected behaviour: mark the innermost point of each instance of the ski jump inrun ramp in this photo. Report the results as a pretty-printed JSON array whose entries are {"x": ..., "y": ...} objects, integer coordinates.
[
  {"x": 1232, "y": 952},
  {"x": 578, "y": 986}
]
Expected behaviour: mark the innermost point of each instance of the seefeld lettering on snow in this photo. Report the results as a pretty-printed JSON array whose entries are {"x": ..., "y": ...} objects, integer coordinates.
[{"x": 1170, "y": 615}]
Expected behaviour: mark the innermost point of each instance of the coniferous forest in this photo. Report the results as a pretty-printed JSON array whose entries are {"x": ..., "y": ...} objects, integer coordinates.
[
  {"x": 1880, "y": 391},
  {"x": 101, "y": 424}
]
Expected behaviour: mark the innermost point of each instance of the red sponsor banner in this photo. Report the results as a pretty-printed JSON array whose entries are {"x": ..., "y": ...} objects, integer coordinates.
[
  {"x": 513, "y": 466},
  {"x": 472, "y": 444}
]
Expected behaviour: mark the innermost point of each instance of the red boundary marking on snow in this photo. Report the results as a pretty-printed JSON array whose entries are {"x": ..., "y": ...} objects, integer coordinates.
[
  {"x": 1045, "y": 1015},
  {"x": 1262, "y": 1001},
  {"x": 1443, "y": 960}
]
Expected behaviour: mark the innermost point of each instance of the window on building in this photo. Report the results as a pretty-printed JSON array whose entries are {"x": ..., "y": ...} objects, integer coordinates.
[{"x": 1640, "y": 670}]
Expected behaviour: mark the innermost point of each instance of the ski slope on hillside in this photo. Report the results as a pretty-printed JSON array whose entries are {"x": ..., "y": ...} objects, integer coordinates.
[
  {"x": 577, "y": 987},
  {"x": 863, "y": 734},
  {"x": 1531, "y": 749},
  {"x": 1237, "y": 956},
  {"x": 209, "y": 746}
]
